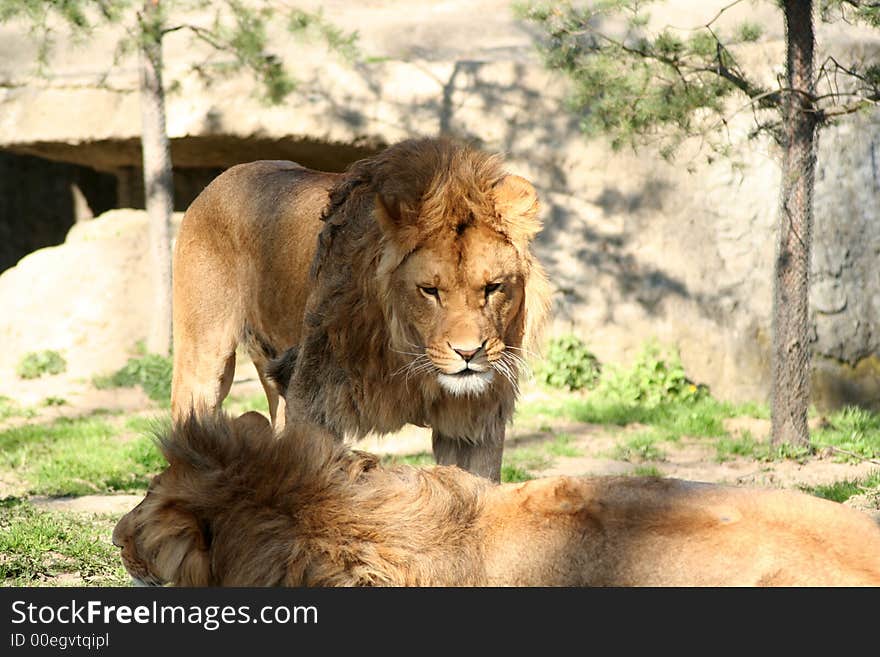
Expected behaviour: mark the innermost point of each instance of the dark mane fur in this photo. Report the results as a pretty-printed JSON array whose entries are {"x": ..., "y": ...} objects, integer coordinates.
[
  {"x": 429, "y": 182},
  {"x": 236, "y": 478}
]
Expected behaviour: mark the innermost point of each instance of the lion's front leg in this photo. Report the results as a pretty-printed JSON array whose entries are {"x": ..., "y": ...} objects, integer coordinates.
[{"x": 482, "y": 458}]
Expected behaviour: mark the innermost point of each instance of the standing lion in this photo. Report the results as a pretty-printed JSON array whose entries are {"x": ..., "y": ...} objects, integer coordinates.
[{"x": 406, "y": 287}]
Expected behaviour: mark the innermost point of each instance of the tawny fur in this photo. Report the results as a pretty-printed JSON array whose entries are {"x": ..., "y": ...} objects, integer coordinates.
[
  {"x": 238, "y": 507},
  {"x": 273, "y": 256}
]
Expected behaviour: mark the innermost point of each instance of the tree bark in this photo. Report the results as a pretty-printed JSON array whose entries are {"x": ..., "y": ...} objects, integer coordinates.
[
  {"x": 791, "y": 320},
  {"x": 158, "y": 181}
]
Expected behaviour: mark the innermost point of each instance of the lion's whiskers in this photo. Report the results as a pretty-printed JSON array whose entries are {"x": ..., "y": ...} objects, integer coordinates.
[
  {"x": 409, "y": 353},
  {"x": 508, "y": 369},
  {"x": 519, "y": 362},
  {"x": 410, "y": 364},
  {"x": 525, "y": 352},
  {"x": 418, "y": 365}
]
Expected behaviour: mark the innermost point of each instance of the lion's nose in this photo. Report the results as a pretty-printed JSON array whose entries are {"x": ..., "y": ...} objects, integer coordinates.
[
  {"x": 466, "y": 354},
  {"x": 116, "y": 538}
]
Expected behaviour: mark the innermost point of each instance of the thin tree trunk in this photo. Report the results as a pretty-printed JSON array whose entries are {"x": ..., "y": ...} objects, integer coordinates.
[
  {"x": 158, "y": 181},
  {"x": 791, "y": 348}
]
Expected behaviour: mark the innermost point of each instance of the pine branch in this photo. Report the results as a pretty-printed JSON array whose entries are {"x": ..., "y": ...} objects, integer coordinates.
[{"x": 837, "y": 111}]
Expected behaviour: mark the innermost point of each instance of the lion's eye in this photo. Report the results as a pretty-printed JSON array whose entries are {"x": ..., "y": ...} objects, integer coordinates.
[
  {"x": 429, "y": 291},
  {"x": 492, "y": 287}
]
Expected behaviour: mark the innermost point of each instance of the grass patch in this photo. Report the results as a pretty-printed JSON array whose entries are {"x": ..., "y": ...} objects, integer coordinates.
[
  {"x": 10, "y": 408},
  {"x": 751, "y": 409},
  {"x": 702, "y": 418},
  {"x": 512, "y": 474},
  {"x": 151, "y": 372},
  {"x": 54, "y": 401},
  {"x": 147, "y": 425},
  {"x": 77, "y": 456},
  {"x": 35, "y": 364},
  {"x": 647, "y": 471},
  {"x": 237, "y": 405},
  {"x": 841, "y": 491},
  {"x": 562, "y": 446},
  {"x": 854, "y": 430},
  {"x": 745, "y": 445},
  {"x": 418, "y": 460},
  {"x": 528, "y": 458},
  {"x": 37, "y": 545},
  {"x": 640, "y": 447}
]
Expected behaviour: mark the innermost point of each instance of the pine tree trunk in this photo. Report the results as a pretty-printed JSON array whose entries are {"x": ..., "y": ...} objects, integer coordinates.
[
  {"x": 158, "y": 181},
  {"x": 791, "y": 320}
]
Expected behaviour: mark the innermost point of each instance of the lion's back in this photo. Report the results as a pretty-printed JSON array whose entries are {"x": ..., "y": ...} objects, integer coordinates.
[
  {"x": 244, "y": 251},
  {"x": 265, "y": 197}
]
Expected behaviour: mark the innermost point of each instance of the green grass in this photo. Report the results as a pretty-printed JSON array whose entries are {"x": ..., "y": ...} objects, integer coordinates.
[
  {"x": 561, "y": 445},
  {"x": 640, "y": 447},
  {"x": 37, "y": 545},
  {"x": 237, "y": 405},
  {"x": 854, "y": 430},
  {"x": 841, "y": 491},
  {"x": 647, "y": 471},
  {"x": 511, "y": 474},
  {"x": 79, "y": 456},
  {"x": 10, "y": 408},
  {"x": 528, "y": 458},
  {"x": 730, "y": 447},
  {"x": 702, "y": 418},
  {"x": 418, "y": 460}
]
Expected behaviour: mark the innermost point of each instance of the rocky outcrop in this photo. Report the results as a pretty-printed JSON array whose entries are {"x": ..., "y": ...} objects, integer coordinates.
[{"x": 88, "y": 298}]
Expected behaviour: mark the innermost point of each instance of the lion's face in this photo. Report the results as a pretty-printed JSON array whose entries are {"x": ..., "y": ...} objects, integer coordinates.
[
  {"x": 463, "y": 288},
  {"x": 160, "y": 542},
  {"x": 461, "y": 295}
]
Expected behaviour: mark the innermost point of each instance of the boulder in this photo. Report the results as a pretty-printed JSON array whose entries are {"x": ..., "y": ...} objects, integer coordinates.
[{"x": 88, "y": 298}]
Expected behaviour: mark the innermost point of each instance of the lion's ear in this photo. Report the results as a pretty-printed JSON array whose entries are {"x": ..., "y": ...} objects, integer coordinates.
[
  {"x": 180, "y": 546},
  {"x": 398, "y": 223},
  {"x": 516, "y": 208}
]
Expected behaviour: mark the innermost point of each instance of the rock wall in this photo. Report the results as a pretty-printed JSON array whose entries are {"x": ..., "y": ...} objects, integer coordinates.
[{"x": 637, "y": 247}]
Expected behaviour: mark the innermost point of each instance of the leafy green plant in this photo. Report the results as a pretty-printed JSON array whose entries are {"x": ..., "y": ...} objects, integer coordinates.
[
  {"x": 37, "y": 363},
  {"x": 656, "y": 376},
  {"x": 569, "y": 364},
  {"x": 151, "y": 372}
]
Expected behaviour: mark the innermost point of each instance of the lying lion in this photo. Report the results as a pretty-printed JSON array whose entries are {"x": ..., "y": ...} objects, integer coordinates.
[{"x": 236, "y": 507}]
